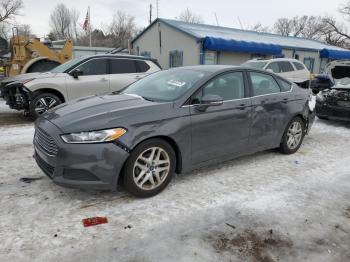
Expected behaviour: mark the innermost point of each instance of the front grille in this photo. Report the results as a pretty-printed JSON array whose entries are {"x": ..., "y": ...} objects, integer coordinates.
[
  {"x": 45, "y": 142},
  {"x": 45, "y": 167}
]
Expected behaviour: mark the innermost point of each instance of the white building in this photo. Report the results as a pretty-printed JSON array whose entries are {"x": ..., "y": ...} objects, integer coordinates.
[{"x": 176, "y": 43}]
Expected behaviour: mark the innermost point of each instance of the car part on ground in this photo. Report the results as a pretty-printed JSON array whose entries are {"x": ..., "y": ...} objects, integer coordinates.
[
  {"x": 173, "y": 120},
  {"x": 84, "y": 76}
]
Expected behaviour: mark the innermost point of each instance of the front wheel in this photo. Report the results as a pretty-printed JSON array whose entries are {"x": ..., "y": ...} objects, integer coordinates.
[
  {"x": 293, "y": 136},
  {"x": 149, "y": 168},
  {"x": 43, "y": 102}
]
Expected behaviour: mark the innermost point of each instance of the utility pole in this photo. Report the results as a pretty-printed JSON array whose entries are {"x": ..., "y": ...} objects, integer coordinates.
[
  {"x": 150, "y": 13},
  {"x": 216, "y": 18},
  {"x": 89, "y": 27}
]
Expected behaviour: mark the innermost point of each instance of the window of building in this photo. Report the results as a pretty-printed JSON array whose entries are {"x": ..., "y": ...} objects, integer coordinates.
[
  {"x": 175, "y": 58},
  {"x": 309, "y": 63},
  {"x": 263, "y": 84}
]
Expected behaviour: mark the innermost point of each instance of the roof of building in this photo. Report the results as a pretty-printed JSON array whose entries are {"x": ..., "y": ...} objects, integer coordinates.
[{"x": 218, "y": 35}]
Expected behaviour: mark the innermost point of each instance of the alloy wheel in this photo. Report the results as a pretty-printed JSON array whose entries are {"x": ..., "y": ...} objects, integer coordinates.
[
  {"x": 151, "y": 168},
  {"x": 44, "y": 104},
  {"x": 294, "y": 135}
]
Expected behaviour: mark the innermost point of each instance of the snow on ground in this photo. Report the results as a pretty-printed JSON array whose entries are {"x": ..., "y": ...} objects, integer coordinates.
[{"x": 264, "y": 207}]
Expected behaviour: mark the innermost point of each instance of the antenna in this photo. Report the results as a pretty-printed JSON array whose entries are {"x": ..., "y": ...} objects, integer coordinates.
[
  {"x": 216, "y": 18},
  {"x": 150, "y": 13},
  {"x": 157, "y": 3},
  {"x": 239, "y": 20}
]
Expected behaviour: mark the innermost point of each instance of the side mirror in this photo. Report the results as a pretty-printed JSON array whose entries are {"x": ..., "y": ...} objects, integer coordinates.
[
  {"x": 209, "y": 100},
  {"x": 269, "y": 70},
  {"x": 76, "y": 73}
]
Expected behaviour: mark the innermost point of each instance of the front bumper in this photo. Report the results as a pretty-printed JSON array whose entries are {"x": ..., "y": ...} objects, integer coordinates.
[
  {"x": 16, "y": 96},
  {"x": 332, "y": 111},
  {"x": 86, "y": 166}
]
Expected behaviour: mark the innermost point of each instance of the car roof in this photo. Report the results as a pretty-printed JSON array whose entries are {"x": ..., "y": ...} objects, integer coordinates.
[
  {"x": 274, "y": 60},
  {"x": 218, "y": 68},
  {"x": 120, "y": 56}
]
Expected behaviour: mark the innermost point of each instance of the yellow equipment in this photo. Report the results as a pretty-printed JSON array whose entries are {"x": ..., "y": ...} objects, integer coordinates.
[{"x": 30, "y": 55}]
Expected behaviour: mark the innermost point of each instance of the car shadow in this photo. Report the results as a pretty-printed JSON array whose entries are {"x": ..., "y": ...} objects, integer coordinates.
[
  {"x": 334, "y": 122},
  {"x": 12, "y": 117}
]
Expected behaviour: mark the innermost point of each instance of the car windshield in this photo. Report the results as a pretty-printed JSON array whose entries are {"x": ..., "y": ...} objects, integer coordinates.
[
  {"x": 62, "y": 68},
  {"x": 259, "y": 65},
  {"x": 165, "y": 85}
]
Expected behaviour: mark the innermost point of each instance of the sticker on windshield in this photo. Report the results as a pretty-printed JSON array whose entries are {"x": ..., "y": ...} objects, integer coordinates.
[{"x": 176, "y": 83}]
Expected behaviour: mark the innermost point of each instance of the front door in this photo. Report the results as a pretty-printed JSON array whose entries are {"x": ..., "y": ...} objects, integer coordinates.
[
  {"x": 222, "y": 130},
  {"x": 93, "y": 81}
]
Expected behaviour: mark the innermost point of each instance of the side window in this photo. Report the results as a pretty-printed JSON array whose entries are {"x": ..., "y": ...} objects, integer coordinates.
[
  {"x": 123, "y": 66},
  {"x": 284, "y": 85},
  {"x": 298, "y": 66},
  {"x": 94, "y": 67},
  {"x": 263, "y": 84},
  {"x": 285, "y": 67},
  {"x": 274, "y": 67},
  {"x": 228, "y": 86},
  {"x": 142, "y": 66},
  {"x": 175, "y": 58}
]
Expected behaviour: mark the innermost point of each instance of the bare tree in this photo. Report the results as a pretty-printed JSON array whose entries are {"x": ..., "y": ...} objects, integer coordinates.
[
  {"x": 258, "y": 27},
  {"x": 283, "y": 26},
  {"x": 9, "y": 9},
  {"x": 60, "y": 22},
  {"x": 74, "y": 17},
  {"x": 24, "y": 29},
  {"x": 190, "y": 17},
  {"x": 122, "y": 29}
]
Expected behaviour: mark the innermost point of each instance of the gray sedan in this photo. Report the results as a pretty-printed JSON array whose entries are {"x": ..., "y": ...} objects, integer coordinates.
[{"x": 172, "y": 121}]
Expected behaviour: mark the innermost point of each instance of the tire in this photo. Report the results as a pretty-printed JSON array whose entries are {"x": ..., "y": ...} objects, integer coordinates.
[
  {"x": 155, "y": 174},
  {"x": 294, "y": 128},
  {"x": 40, "y": 100},
  {"x": 322, "y": 117}
]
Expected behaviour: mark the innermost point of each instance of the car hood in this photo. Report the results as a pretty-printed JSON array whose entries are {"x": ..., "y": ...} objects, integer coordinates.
[
  {"x": 22, "y": 77},
  {"x": 100, "y": 112}
]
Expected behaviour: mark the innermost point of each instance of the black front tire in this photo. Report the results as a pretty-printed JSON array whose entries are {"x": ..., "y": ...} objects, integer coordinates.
[
  {"x": 284, "y": 148},
  {"x": 128, "y": 176},
  {"x": 33, "y": 106}
]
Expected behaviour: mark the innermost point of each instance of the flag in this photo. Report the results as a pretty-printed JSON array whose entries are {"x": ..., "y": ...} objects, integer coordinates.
[{"x": 86, "y": 21}]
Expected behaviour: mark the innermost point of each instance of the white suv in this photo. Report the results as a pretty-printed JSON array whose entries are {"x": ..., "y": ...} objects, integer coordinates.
[
  {"x": 291, "y": 69},
  {"x": 93, "y": 75}
]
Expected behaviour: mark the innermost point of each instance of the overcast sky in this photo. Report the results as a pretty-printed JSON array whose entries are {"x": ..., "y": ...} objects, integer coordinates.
[{"x": 37, "y": 12}]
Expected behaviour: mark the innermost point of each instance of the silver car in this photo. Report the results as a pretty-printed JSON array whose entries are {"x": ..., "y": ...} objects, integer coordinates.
[{"x": 35, "y": 93}]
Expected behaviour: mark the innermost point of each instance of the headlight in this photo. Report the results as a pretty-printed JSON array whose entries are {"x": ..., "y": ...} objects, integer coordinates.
[{"x": 94, "y": 136}]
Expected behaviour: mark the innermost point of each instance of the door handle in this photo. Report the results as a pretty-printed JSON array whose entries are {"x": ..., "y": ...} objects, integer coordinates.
[
  {"x": 241, "y": 106},
  {"x": 103, "y": 79},
  {"x": 285, "y": 100},
  {"x": 138, "y": 77}
]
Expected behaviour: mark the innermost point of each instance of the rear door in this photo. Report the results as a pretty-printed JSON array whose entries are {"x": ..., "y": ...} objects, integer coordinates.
[
  {"x": 124, "y": 72},
  {"x": 94, "y": 79},
  {"x": 222, "y": 130},
  {"x": 270, "y": 110}
]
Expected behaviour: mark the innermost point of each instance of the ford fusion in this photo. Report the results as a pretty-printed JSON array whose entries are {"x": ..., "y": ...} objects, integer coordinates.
[{"x": 172, "y": 121}]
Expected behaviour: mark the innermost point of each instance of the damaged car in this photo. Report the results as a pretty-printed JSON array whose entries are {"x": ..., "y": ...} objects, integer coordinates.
[
  {"x": 174, "y": 120},
  {"x": 333, "y": 88},
  {"x": 36, "y": 93}
]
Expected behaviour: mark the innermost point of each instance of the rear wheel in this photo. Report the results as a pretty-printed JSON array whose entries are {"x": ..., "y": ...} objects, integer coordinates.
[
  {"x": 43, "y": 102},
  {"x": 149, "y": 168},
  {"x": 293, "y": 136}
]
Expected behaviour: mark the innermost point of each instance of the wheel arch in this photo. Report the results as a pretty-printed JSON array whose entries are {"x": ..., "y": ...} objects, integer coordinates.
[
  {"x": 170, "y": 141},
  {"x": 49, "y": 90}
]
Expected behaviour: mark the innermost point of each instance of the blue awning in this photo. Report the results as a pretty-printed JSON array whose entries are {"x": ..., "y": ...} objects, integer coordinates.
[
  {"x": 230, "y": 45},
  {"x": 334, "y": 54}
]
